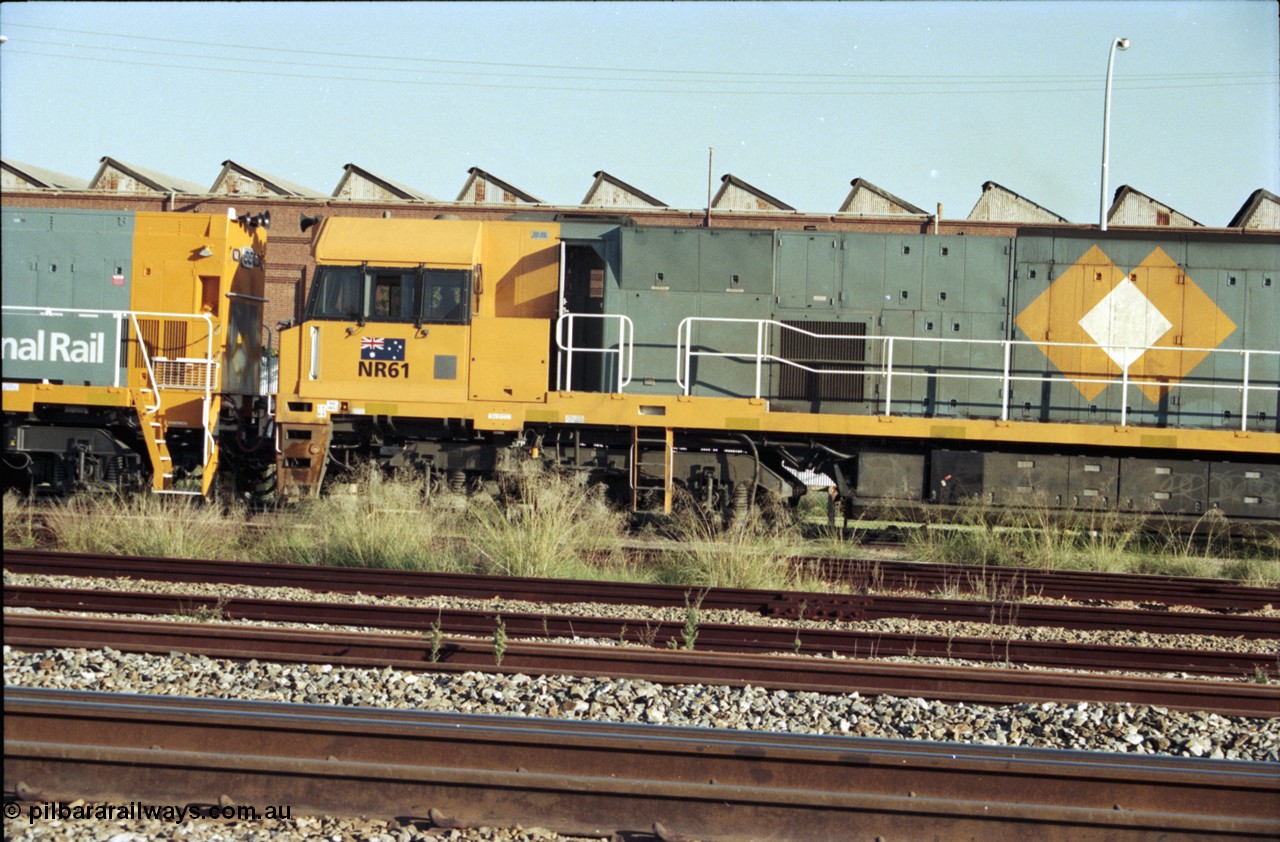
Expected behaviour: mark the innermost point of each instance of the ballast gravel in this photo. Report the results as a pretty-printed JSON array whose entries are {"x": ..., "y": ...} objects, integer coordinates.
[
  {"x": 641, "y": 613},
  {"x": 1080, "y": 726},
  {"x": 1085, "y": 726},
  {"x": 1128, "y": 728}
]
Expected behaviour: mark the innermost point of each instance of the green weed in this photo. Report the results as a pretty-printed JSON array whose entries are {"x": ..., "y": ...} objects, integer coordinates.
[
  {"x": 436, "y": 637},
  {"x": 499, "y": 641},
  {"x": 692, "y": 618}
]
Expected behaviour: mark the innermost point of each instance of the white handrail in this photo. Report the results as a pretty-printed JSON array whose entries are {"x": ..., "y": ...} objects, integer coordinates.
[
  {"x": 888, "y": 374},
  {"x": 625, "y": 349},
  {"x": 121, "y": 317},
  {"x": 1244, "y": 394},
  {"x": 685, "y": 353}
]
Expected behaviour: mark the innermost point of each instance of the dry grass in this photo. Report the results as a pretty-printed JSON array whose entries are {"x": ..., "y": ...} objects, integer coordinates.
[
  {"x": 547, "y": 524},
  {"x": 145, "y": 525},
  {"x": 754, "y": 551},
  {"x": 374, "y": 521},
  {"x": 1032, "y": 537},
  {"x": 19, "y": 523}
]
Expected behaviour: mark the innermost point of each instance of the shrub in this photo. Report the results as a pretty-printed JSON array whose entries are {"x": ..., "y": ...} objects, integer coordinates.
[
  {"x": 145, "y": 525},
  {"x": 375, "y": 521},
  {"x": 547, "y": 524},
  {"x": 19, "y": 523},
  {"x": 753, "y": 551}
]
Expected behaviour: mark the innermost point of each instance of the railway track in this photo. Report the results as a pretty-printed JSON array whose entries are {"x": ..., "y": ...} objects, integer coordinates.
[
  {"x": 791, "y": 605},
  {"x": 757, "y": 639},
  {"x": 947, "y": 683},
  {"x": 1217, "y": 595},
  {"x": 465, "y": 770},
  {"x": 1081, "y": 586}
]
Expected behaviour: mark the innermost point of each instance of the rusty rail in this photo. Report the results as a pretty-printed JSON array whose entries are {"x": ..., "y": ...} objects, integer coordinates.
[
  {"x": 601, "y": 778},
  {"x": 783, "y": 604},
  {"x": 803, "y": 674},
  {"x": 713, "y": 637}
]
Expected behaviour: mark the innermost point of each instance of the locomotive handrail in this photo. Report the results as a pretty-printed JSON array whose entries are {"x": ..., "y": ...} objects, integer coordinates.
[
  {"x": 147, "y": 360},
  {"x": 684, "y": 340},
  {"x": 625, "y": 349},
  {"x": 122, "y": 317},
  {"x": 1126, "y": 380},
  {"x": 685, "y": 352}
]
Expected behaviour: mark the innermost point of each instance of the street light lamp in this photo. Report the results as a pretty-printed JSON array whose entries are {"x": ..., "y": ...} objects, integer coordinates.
[{"x": 1117, "y": 44}]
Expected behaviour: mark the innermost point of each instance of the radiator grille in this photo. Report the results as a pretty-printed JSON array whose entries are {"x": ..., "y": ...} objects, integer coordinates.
[
  {"x": 846, "y": 350},
  {"x": 161, "y": 338},
  {"x": 174, "y": 374}
]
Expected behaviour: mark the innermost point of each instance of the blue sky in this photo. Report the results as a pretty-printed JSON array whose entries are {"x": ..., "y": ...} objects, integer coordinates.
[{"x": 928, "y": 100}]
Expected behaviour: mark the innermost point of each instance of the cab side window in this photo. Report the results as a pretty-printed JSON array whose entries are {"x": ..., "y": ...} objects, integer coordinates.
[
  {"x": 338, "y": 293},
  {"x": 446, "y": 295},
  {"x": 395, "y": 296},
  {"x": 357, "y": 293}
]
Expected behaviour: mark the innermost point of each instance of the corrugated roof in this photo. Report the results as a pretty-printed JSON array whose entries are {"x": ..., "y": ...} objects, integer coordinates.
[
  {"x": 601, "y": 177},
  {"x": 41, "y": 177},
  {"x": 393, "y": 186},
  {"x": 862, "y": 184},
  {"x": 158, "y": 181},
  {"x": 476, "y": 172},
  {"x": 729, "y": 179},
  {"x": 991, "y": 185},
  {"x": 1125, "y": 191},
  {"x": 278, "y": 185},
  {"x": 1250, "y": 205}
]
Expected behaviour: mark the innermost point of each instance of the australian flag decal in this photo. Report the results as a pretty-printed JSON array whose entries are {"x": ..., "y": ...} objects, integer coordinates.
[{"x": 382, "y": 349}]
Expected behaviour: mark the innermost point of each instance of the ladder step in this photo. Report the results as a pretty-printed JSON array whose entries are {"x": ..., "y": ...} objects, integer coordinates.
[{"x": 652, "y": 452}]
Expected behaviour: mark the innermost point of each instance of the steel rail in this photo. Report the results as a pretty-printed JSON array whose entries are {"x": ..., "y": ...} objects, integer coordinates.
[
  {"x": 1212, "y": 594},
  {"x": 710, "y": 636},
  {"x": 605, "y": 778},
  {"x": 1147, "y": 589},
  {"x": 784, "y": 604},
  {"x": 797, "y": 674}
]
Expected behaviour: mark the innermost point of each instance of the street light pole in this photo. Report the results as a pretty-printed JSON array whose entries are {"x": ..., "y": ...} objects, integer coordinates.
[{"x": 1117, "y": 44}]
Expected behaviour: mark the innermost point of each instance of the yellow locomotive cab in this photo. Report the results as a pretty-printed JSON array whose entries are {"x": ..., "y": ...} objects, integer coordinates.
[{"x": 424, "y": 319}]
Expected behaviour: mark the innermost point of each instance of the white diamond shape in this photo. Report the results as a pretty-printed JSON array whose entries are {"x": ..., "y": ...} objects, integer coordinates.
[{"x": 1125, "y": 324}]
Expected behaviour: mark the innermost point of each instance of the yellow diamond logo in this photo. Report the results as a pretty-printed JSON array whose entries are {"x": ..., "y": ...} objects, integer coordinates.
[{"x": 1108, "y": 321}]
